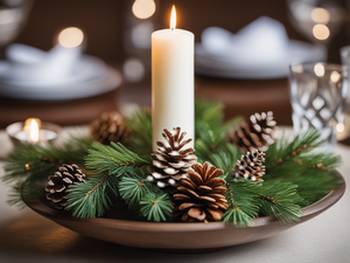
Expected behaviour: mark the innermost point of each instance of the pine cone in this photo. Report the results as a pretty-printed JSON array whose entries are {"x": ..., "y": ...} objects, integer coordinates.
[
  {"x": 109, "y": 127},
  {"x": 201, "y": 196},
  {"x": 257, "y": 133},
  {"x": 172, "y": 159},
  {"x": 58, "y": 183},
  {"x": 251, "y": 166}
]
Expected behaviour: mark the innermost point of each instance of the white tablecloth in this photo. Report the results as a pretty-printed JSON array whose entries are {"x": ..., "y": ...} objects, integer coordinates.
[{"x": 27, "y": 237}]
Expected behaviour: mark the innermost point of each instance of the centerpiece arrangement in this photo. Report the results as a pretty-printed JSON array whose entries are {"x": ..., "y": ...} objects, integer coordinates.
[{"x": 181, "y": 163}]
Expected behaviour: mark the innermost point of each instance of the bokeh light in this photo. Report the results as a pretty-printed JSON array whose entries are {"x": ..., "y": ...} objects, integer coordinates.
[
  {"x": 320, "y": 15},
  {"x": 71, "y": 37},
  {"x": 321, "y": 32},
  {"x": 133, "y": 70},
  {"x": 143, "y": 9},
  {"x": 319, "y": 70},
  {"x": 335, "y": 76}
]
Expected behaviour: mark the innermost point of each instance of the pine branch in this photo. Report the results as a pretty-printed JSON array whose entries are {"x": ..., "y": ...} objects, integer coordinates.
[
  {"x": 284, "y": 153},
  {"x": 280, "y": 200},
  {"x": 242, "y": 200},
  {"x": 156, "y": 207},
  {"x": 94, "y": 197},
  {"x": 313, "y": 184},
  {"x": 140, "y": 125},
  {"x": 33, "y": 162},
  {"x": 226, "y": 159},
  {"x": 145, "y": 198},
  {"x": 110, "y": 159},
  {"x": 208, "y": 112},
  {"x": 133, "y": 189},
  {"x": 319, "y": 161},
  {"x": 211, "y": 130}
]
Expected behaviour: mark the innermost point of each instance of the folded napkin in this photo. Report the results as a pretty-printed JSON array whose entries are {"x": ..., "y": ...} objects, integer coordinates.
[
  {"x": 262, "y": 49},
  {"x": 26, "y": 63},
  {"x": 262, "y": 41}
]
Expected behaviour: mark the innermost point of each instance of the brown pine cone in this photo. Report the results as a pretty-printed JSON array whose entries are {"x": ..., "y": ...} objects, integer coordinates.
[
  {"x": 172, "y": 159},
  {"x": 58, "y": 183},
  {"x": 109, "y": 127},
  {"x": 201, "y": 196},
  {"x": 257, "y": 133},
  {"x": 251, "y": 166}
]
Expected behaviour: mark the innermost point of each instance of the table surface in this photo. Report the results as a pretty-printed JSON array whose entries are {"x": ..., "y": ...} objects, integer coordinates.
[{"x": 28, "y": 237}]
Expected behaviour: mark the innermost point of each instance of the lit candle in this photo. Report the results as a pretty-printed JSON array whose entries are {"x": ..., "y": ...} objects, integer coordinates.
[
  {"x": 172, "y": 80},
  {"x": 33, "y": 131}
]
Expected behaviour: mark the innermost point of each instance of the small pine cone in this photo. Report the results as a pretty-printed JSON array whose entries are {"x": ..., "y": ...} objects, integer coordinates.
[
  {"x": 109, "y": 127},
  {"x": 172, "y": 159},
  {"x": 58, "y": 183},
  {"x": 201, "y": 196},
  {"x": 251, "y": 166},
  {"x": 257, "y": 133}
]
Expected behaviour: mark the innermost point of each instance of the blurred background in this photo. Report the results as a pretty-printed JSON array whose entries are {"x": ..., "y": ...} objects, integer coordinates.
[{"x": 118, "y": 33}]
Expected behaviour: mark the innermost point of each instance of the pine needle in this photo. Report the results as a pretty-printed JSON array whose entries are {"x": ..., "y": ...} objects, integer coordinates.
[
  {"x": 133, "y": 189},
  {"x": 140, "y": 125},
  {"x": 92, "y": 198},
  {"x": 280, "y": 200},
  {"x": 156, "y": 207},
  {"x": 108, "y": 159},
  {"x": 283, "y": 152},
  {"x": 242, "y": 203},
  {"x": 226, "y": 159},
  {"x": 34, "y": 162}
]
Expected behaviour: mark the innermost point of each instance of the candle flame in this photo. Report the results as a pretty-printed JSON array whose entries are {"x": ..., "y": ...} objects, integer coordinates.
[
  {"x": 173, "y": 18},
  {"x": 32, "y": 128},
  {"x": 71, "y": 37}
]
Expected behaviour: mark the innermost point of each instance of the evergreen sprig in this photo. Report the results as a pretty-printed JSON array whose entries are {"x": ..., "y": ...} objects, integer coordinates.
[
  {"x": 140, "y": 124},
  {"x": 211, "y": 130},
  {"x": 112, "y": 159},
  {"x": 109, "y": 163},
  {"x": 152, "y": 203},
  {"x": 94, "y": 197},
  {"x": 243, "y": 207},
  {"x": 280, "y": 200},
  {"x": 226, "y": 159},
  {"x": 133, "y": 189},
  {"x": 156, "y": 207},
  {"x": 35, "y": 162},
  {"x": 285, "y": 153}
]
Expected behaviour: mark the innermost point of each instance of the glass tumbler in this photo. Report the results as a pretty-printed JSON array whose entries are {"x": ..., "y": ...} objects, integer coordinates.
[{"x": 318, "y": 93}]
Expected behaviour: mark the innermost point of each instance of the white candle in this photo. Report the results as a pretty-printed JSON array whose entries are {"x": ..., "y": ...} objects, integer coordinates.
[{"x": 172, "y": 80}]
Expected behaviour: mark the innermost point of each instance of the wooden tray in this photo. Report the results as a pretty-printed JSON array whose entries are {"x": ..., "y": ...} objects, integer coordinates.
[{"x": 182, "y": 236}]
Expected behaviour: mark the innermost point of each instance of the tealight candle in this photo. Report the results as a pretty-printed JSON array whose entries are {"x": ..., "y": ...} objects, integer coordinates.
[
  {"x": 172, "y": 80},
  {"x": 32, "y": 131}
]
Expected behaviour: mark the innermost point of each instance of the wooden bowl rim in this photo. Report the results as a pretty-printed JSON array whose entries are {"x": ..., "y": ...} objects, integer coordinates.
[{"x": 132, "y": 225}]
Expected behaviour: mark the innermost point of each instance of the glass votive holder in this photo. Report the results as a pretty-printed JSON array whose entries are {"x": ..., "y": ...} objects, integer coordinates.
[
  {"x": 345, "y": 58},
  {"x": 33, "y": 131},
  {"x": 318, "y": 92}
]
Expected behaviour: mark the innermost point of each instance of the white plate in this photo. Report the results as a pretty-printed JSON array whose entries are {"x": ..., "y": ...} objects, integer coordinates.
[
  {"x": 223, "y": 66},
  {"x": 110, "y": 80},
  {"x": 86, "y": 69}
]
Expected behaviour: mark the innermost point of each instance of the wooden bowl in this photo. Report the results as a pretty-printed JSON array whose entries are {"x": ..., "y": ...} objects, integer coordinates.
[{"x": 182, "y": 236}]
